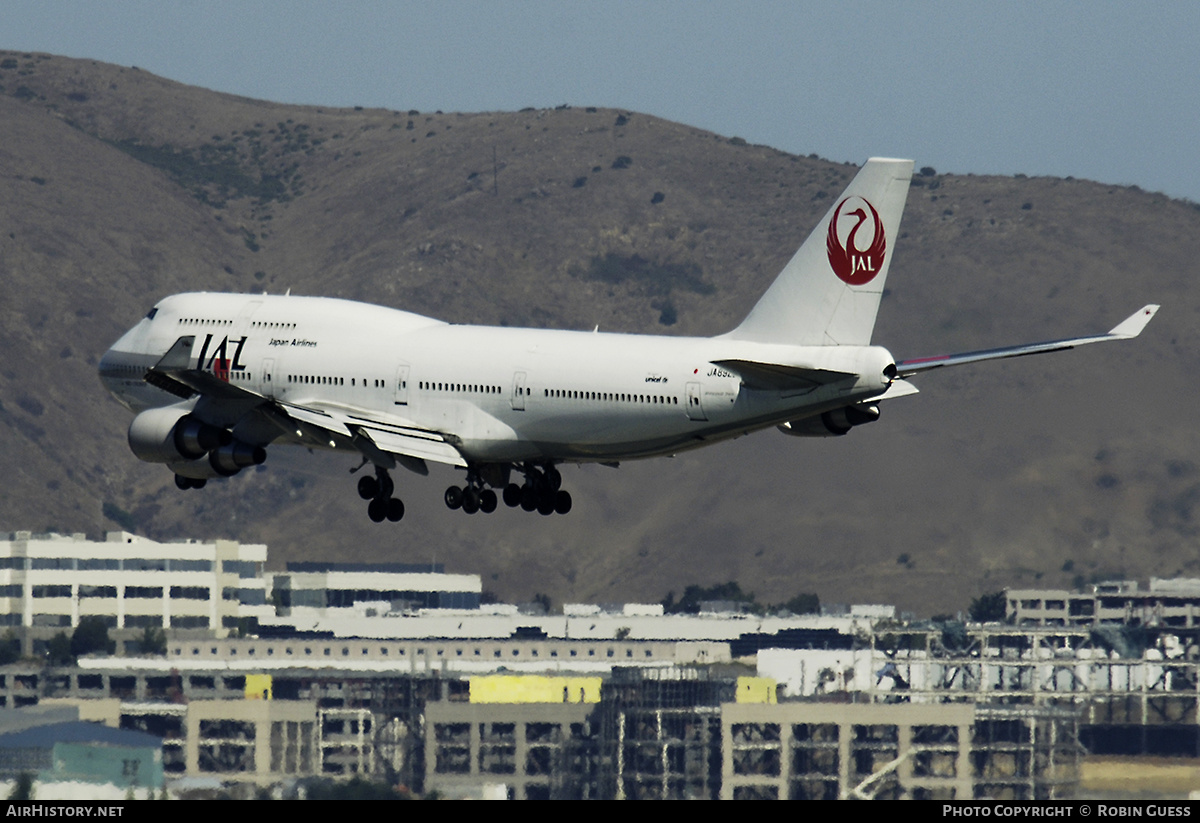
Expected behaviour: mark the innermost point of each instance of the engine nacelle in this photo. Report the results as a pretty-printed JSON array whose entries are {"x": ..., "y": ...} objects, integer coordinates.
[
  {"x": 195, "y": 469},
  {"x": 833, "y": 423},
  {"x": 231, "y": 458},
  {"x": 169, "y": 435}
]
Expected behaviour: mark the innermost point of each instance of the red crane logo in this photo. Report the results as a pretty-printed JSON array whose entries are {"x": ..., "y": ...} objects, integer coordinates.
[{"x": 852, "y": 265}]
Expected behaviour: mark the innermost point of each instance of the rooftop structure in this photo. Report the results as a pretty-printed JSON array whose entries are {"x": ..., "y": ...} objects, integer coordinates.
[{"x": 633, "y": 621}]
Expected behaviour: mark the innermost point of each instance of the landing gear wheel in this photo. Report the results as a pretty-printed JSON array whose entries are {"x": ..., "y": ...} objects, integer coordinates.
[
  {"x": 368, "y": 487},
  {"x": 395, "y": 510},
  {"x": 529, "y": 498},
  {"x": 377, "y": 510},
  {"x": 512, "y": 495},
  {"x": 487, "y": 501},
  {"x": 470, "y": 501},
  {"x": 546, "y": 505},
  {"x": 553, "y": 479},
  {"x": 199, "y": 484},
  {"x": 183, "y": 483},
  {"x": 454, "y": 497},
  {"x": 562, "y": 501}
]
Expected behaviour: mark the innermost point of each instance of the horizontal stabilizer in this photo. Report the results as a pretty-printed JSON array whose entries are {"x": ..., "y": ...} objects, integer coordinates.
[
  {"x": 897, "y": 388},
  {"x": 1128, "y": 328},
  {"x": 781, "y": 377}
]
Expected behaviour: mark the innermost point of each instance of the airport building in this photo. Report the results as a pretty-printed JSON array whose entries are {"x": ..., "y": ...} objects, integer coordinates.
[
  {"x": 55, "y": 746},
  {"x": 49, "y": 582},
  {"x": 1166, "y": 603},
  {"x": 309, "y": 590}
]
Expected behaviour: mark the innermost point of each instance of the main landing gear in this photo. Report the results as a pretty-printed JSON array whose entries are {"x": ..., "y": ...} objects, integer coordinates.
[
  {"x": 473, "y": 497},
  {"x": 378, "y": 490},
  {"x": 541, "y": 492},
  {"x": 185, "y": 483}
]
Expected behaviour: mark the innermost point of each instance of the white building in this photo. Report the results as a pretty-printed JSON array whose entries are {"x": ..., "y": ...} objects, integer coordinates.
[
  {"x": 51, "y": 581},
  {"x": 309, "y": 590},
  {"x": 584, "y": 622}
]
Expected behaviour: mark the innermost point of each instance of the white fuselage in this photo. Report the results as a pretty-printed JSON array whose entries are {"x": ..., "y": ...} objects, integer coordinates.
[{"x": 499, "y": 394}]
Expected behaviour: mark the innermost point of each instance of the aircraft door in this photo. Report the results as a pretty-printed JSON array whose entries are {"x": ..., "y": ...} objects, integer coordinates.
[
  {"x": 695, "y": 411},
  {"x": 267, "y": 382},
  {"x": 402, "y": 385},
  {"x": 518, "y": 392},
  {"x": 243, "y": 319}
]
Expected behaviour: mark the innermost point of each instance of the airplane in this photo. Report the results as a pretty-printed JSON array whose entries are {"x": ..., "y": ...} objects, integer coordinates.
[{"x": 214, "y": 379}]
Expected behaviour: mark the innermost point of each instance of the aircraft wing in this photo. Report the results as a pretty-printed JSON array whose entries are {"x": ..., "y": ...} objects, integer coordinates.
[
  {"x": 384, "y": 442},
  {"x": 1128, "y": 328},
  {"x": 173, "y": 374}
]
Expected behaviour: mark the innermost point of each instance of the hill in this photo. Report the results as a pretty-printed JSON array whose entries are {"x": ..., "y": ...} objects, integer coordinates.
[{"x": 118, "y": 187}]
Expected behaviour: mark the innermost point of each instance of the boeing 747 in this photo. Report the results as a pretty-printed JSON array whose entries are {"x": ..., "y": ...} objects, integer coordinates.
[{"x": 215, "y": 379}]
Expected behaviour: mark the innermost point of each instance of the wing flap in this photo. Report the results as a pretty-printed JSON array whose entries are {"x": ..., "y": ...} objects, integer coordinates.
[
  {"x": 316, "y": 417},
  {"x": 413, "y": 443},
  {"x": 408, "y": 444}
]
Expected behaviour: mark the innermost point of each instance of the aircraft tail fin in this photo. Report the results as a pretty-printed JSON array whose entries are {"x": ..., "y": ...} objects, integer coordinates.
[{"x": 828, "y": 295}]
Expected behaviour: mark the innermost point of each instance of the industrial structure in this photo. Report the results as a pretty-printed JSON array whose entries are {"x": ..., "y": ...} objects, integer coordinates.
[{"x": 399, "y": 674}]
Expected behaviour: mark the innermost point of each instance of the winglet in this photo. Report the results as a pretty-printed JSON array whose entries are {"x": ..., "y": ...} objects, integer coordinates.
[
  {"x": 178, "y": 356},
  {"x": 1132, "y": 325}
]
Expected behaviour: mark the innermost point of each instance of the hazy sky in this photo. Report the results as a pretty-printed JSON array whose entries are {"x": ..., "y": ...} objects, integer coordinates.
[{"x": 1102, "y": 90}]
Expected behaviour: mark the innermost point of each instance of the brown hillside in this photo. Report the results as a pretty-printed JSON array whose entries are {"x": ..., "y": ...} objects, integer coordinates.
[{"x": 118, "y": 187}]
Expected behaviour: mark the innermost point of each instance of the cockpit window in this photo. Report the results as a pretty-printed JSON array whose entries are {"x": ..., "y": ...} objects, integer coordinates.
[{"x": 151, "y": 313}]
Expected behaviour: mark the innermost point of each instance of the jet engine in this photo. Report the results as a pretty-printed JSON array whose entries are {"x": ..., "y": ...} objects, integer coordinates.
[
  {"x": 223, "y": 461},
  {"x": 231, "y": 458},
  {"x": 200, "y": 469},
  {"x": 833, "y": 423},
  {"x": 168, "y": 435}
]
